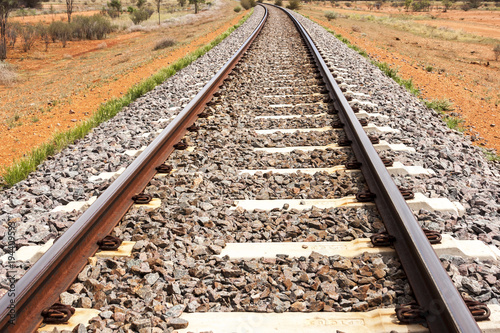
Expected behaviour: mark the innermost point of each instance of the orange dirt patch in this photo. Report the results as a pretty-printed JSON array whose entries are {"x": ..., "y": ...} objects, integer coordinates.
[
  {"x": 481, "y": 29},
  {"x": 64, "y": 86},
  {"x": 464, "y": 73},
  {"x": 482, "y": 23}
]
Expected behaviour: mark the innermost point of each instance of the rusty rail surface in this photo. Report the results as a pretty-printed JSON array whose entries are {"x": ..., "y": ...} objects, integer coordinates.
[
  {"x": 54, "y": 272},
  {"x": 444, "y": 307}
]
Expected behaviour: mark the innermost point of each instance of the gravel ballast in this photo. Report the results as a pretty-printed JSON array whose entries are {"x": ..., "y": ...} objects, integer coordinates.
[{"x": 65, "y": 177}]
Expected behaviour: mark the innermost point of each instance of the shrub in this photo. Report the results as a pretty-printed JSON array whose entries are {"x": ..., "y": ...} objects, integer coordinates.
[
  {"x": 164, "y": 43},
  {"x": 43, "y": 32},
  {"x": 278, "y": 2},
  {"x": 347, "y": 4},
  {"x": 237, "y": 9},
  {"x": 113, "y": 9},
  {"x": 141, "y": 15},
  {"x": 115, "y": 4},
  {"x": 293, "y": 4},
  {"x": 331, "y": 15},
  {"x": 91, "y": 27},
  {"x": 61, "y": 31},
  {"x": 474, "y": 3},
  {"x": 496, "y": 50},
  {"x": 13, "y": 32},
  {"x": 28, "y": 35},
  {"x": 420, "y": 5},
  {"x": 7, "y": 74},
  {"x": 247, "y": 4}
]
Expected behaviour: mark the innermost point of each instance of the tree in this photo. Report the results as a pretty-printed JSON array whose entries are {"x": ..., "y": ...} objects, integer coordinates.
[
  {"x": 408, "y": 4},
  {"x": 196, "y": 4},
  {"x": 182, "y": 2},
  {"x": 6, "y": 6},
  {"x": 158, "y": 5},
  {"x": 474, "y": 3},
  {"x": 116, "y": 5},
  {"x": 447, "y": 4},
  {"x": 69, "y": 9},
  {"x": 140, "y": 3}
]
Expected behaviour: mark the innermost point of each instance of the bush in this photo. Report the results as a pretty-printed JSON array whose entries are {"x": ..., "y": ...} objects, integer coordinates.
[
  {"x": 293, "y": 4},
  {"x": 164, "y": 43},
  {"x": 43, "y": 32},
  {"x": 474, "y": 3},
  {"x": 61, "y": 31},
  {"x": 115, "y": 4},
  {"x": 331, "y": 15},
  {"x": 347, "y": 4},
  {"x": 7, "y": 74},
  {"x": 237, "y": 9},
  {"x": 496, "y": 50},
  {"x": 13, "y": 32},
  {"x": 420, "y": 5},
  {"x": 141, "y": 15},
  {"x": 278, "y": 2},
  {"x": 28, "y": 36},
  {"x": 91, "y": 27},
  {"x": 247, "y": 4}
]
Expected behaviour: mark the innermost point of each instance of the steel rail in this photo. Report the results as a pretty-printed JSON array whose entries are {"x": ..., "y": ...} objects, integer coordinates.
[
  {"x": 432, "y": 287},
  {"x": 54, "y": 272}
]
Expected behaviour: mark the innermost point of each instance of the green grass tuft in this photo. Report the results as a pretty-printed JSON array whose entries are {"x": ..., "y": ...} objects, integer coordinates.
[
  {"x": 439, "y": 105},
  {"x": 22, "y": 167},
  {"x": 393, "y": 74},
  {"x": 454, "y": 123},
  {"x": 491, "y": 156}
]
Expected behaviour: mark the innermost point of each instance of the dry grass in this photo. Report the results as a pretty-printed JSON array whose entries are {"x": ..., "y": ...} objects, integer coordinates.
[
  {"x": 164, "y": 43},
  {"x": 408, "y": 24},
  {"x": 7, "y": 74}
]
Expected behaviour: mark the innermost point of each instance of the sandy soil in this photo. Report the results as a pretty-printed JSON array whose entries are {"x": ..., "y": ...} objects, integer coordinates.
[
  {"x": 64, "y": 86},
  {"x": 464, "y": 73},
  {"x": 482, "y": 23}
]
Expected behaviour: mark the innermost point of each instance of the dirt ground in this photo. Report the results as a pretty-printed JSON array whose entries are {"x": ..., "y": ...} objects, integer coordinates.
[
  {"x": 64, "y": 86},
  {"x": 467, "y": 74},
  {"x": 482, "y": 23}
]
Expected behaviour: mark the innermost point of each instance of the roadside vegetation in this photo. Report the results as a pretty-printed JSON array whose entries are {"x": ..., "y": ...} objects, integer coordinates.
[
  {"x": 22, "y": 167},
  {"x": 113, "y": 16},
  {"x": 7, "y": 74},
  {"x": 453, "y": 121}
]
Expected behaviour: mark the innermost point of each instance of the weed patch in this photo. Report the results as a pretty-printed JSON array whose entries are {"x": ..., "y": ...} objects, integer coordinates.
[
  {"x": 491, "y": 156},
  {"x": 439, "y": 105},
  {"x": 393, "y": 74},
  {"x": 454, "y": 123},
  {"x": 7, "y": 74},
  {"x": 163, "y": 44}
]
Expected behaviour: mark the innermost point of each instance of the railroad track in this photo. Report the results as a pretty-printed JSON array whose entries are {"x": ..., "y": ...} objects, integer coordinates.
[{"x": 259, "y": 217}]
